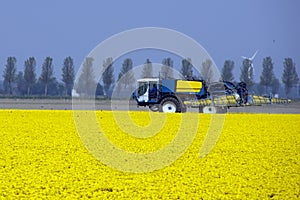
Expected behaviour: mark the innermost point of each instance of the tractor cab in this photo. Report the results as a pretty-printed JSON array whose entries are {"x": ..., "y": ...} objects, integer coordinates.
[{"x": 147, "y": 90}]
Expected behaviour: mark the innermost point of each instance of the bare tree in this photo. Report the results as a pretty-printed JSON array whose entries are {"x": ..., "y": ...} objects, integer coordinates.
[
  {"x": 167, "y": 69},
  {"x": 68, "y": 74},
  {"x": 108, "y": 75},
  {"x": 289, "y": 77},
  {"x": 126, "y": 76},
  {"x": 267, "y": 75},
  {"x": 46, "y": 77},
  {"x": 87, "y": 84},
  {"x": 187, "y": 68},
  {"x": 227, "y": 74},
  {"x": 206, "y": 71},
  {"x": 29, "y": 73},
  {"x": 147, "y": 69},
  {"x": 247, "y": 73},
  {"x": 9, "y": 74}
]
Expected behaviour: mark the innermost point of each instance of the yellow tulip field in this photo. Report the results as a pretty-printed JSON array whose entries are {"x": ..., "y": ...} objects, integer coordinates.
[{"x": 42, "y": 156}]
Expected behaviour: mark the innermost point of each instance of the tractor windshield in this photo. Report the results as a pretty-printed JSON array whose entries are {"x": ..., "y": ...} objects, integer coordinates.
[{"x": 143, "y": 86}]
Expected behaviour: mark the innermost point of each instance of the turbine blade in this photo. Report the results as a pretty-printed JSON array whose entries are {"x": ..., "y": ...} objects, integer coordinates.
[
  {"x": 253, "y": 55},
  {"x": 244, "y": 57}
]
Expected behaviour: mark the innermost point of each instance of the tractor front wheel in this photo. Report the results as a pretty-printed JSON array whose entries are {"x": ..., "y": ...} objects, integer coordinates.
[{"x": 154, "y": 108}]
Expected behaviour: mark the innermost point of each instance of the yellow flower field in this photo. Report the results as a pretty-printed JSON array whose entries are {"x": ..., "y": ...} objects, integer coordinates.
[{"x": 42, "y": 157}]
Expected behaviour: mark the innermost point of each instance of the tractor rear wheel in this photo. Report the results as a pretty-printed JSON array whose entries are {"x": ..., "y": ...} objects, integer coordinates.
[{"x": 170, "y": 104}]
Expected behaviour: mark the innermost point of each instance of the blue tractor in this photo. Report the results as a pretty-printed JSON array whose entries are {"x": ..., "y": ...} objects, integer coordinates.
[{"x": 169, "y": 95}]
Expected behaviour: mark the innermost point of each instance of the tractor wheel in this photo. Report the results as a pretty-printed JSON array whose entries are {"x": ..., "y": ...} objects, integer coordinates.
[
  {"x": 170, "y": 105},
  {"x": 210, "y": 109},
  {"x": 214, "y": 109},
  {"x": 154, "y": 108}
]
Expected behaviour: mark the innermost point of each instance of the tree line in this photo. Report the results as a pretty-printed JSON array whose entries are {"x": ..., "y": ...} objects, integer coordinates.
[
  {"x": 269, "y": 83},
  {"x": 27, "y": 83}
]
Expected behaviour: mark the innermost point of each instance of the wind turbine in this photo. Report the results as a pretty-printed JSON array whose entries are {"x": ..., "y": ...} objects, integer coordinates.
[{"x": 251, "y": 63}]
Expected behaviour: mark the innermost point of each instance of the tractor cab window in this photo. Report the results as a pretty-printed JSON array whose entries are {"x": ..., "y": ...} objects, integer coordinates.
[
  {"x": 153, "y": 85},
  {"x": 143, "y": 86},
  {"x": 153, "y": 89}
]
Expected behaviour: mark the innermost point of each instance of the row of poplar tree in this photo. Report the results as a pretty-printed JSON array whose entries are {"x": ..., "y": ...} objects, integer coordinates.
[
  {"x": 27, "y": 83},
  {"x": 268, "y": 82}
]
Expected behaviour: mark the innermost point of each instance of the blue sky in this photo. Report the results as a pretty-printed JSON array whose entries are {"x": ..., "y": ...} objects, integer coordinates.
[{"x": 226, "y": 29}]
